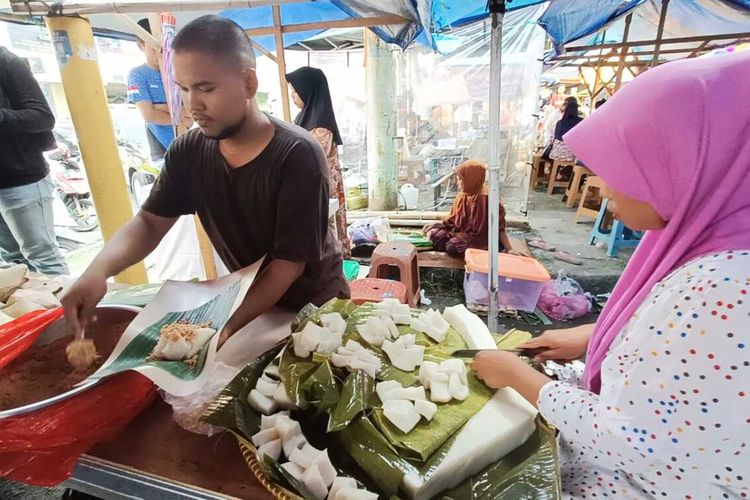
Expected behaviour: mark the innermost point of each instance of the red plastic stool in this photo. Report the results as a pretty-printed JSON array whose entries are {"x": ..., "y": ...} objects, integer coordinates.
[
  {"x": 375, "y": 290},
  {"x": 403, "y": 256}
]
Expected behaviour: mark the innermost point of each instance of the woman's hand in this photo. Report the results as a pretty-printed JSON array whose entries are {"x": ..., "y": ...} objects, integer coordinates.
[
  {"x": 429, "y": 227},
  {"x": 499, "y": 369},
  {"x": 561, "y": 345}
]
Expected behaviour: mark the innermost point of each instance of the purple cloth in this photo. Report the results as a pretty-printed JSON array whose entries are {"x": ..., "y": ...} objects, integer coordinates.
[{"x": 677, "y": 138}]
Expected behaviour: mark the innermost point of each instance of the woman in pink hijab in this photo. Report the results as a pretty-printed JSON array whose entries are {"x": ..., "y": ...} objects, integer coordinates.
[{"x": 664, "y": 407}]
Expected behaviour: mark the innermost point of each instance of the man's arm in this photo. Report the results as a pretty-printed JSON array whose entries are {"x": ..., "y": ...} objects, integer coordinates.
[
  {"x": 157, "y": 114},
  {"x": 31, "y": 113},
  {"x": 129, "y": 245},
  {"x": 270, "y": 286}
]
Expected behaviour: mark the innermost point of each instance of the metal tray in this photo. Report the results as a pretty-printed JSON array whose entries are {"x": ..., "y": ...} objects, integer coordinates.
[{"x": 110, "y": 314}]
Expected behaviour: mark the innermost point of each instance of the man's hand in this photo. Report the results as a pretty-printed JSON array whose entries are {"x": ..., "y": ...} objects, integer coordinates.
[
  {"x": 266, "y": 291},
  {"x": 561, "y": 345},
  {"x": 80, "y": 300}
]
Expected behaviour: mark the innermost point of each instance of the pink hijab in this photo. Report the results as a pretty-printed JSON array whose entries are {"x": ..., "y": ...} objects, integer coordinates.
[{"x": 677, "y": 137}]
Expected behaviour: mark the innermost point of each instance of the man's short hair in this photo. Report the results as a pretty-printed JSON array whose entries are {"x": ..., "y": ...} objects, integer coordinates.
[{"x": 218, "y": 37}]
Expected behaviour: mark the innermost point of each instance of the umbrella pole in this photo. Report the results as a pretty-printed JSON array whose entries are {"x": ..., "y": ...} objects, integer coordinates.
[{"x": 497, "y": 12}]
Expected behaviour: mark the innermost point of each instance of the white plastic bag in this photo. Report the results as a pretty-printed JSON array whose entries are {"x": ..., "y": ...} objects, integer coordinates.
[{"x": 189, "y": 409}]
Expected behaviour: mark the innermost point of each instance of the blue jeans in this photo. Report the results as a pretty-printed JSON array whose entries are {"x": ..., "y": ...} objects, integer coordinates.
[{"x": 27, "y": 230}]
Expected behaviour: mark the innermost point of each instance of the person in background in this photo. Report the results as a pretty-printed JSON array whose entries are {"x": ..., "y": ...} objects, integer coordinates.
[
  {"x": 600, "y": 103},
  {"x": 146, "y": 91},
  {"x": 552, "y": 115},
  {"x": 570, "y": 118},
  {"x": 467, "y": 225},
  {"x": 27, "y": 230},
  {"x": 310, "y": 93},
  {"x": 662, "y": 410}
]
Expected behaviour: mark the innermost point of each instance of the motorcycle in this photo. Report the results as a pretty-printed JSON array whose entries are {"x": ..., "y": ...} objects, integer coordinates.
[
  {"x": 72, "y": 188},
  {"x": 141, "y": 172}
]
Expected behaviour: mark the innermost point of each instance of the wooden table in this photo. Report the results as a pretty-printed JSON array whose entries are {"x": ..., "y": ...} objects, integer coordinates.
[{"x": 154, "y": 459}]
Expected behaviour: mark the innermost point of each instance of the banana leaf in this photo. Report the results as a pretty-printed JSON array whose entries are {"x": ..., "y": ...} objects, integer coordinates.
[
  {"x": 294, "y": 371},
  {"x": 356, "y": 397},
  {"x": 321, "y": 389},
  {"x": 427, "y": 437},
  {"x": 372, "y": 452},
  {"x": 223, "y": 411},
  {"x": 531, "y": 471},
  {"x": 312, "y": 313},
  {"x": 512, "y": 338}
]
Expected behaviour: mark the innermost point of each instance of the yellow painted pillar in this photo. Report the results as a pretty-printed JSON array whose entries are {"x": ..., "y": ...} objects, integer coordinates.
[{"x": 73, "y": 41}]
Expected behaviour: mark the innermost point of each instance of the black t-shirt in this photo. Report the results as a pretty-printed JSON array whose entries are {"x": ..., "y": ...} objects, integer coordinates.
[{"x": 276, "y": 205}]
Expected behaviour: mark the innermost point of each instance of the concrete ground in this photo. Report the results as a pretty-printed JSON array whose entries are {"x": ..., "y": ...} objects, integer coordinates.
[{"x": 555, "y": 224}]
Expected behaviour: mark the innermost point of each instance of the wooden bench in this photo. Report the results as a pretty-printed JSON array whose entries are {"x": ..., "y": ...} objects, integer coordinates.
[{"x": 441, "y": 260}]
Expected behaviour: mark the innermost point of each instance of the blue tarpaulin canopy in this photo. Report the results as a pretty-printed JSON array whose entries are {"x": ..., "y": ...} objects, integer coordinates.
[{"x": 574, "y": 23}]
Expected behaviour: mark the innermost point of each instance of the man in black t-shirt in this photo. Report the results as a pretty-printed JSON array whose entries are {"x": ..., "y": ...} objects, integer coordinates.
[
  {"x": 27, "y": 231},
  {"x": 259, "y": 186}
]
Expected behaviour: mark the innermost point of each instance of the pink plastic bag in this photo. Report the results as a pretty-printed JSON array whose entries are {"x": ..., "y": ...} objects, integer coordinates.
[{"x": 563, "y": 299}]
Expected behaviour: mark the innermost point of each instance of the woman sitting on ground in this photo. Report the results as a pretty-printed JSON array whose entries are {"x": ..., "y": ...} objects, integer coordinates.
[
  {"x": 467, "y": 226},
  {"x": 664, "y": 407}
]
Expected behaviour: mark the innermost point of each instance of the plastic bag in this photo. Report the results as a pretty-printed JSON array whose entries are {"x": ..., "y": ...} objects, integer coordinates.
[
  {"x": 189, "y": 409},
  {"x": 18, "y": 335},
  {"x": 370, "y": 231},
  {"x": 43, "y": 446},
  {"x": 563, "y": 299}
]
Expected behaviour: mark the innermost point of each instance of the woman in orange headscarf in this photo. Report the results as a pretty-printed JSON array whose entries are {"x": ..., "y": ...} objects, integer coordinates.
[{"x": 467, "y": 226}]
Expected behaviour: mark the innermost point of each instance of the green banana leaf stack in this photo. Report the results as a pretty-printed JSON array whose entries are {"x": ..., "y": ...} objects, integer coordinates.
[{"x": 340, "y": 411}]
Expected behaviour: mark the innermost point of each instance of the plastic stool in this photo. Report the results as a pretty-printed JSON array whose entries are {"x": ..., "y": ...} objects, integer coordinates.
[
  {"x": 403, "y": 256},
  {"x": 375, "y": 290},
  {"x": 618, "y": 237}
]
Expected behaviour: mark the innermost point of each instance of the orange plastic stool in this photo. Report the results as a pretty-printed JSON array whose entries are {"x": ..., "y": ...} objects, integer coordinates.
[
  {"x": 403, "y": 256},
  {"x": 375, "y": 290}
]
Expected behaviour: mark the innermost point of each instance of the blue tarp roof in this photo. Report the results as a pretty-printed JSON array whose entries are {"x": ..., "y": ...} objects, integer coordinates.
[
  {"x": 569, "y": 21},
  {"x": 428, "y": 16}
]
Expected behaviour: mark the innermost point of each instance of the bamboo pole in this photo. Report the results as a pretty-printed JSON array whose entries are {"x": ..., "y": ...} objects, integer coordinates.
[
  {"x": 281, "y": 63},
  {"x": 660, "y": 31},
  {"x": 624, "y": 52},
  {"x": 664, "y": 41},
  {"x": 42, "y": 7},
  {"x": 358, "y": 22}
]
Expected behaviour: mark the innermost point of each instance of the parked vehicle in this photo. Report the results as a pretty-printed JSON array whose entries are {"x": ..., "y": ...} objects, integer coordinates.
[{"x": 72, "y": 189}]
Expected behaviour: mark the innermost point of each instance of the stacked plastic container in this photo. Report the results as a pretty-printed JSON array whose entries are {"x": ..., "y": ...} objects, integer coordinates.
[{"x": 520, "y": 284}]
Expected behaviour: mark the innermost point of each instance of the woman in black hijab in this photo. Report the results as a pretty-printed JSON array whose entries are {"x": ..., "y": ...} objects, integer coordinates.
[
  {"x": 310, "y": 93},
  {"x": 570, "y": 119}
]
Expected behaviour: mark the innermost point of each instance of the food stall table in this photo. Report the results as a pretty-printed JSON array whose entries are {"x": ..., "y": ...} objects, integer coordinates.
[{"x": 155, "y": 459}]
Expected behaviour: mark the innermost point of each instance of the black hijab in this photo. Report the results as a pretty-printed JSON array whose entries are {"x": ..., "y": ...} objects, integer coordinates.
[
  {"x": 569, "y": 120},
  {"x": 312, "y": 87}
]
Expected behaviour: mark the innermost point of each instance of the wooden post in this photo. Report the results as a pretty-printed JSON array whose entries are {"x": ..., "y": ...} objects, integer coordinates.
[
  {"x": 382, "y": 159},
  {"x": 660, "y": 31},
  {"x": 281, "y": 63},
  {"x": 623, "y": 52},
  {"x": 73, "y": 40}
]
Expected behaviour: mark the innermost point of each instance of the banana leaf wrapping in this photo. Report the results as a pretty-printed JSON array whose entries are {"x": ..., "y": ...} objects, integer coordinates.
[{"x": 340, "y": 411}]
